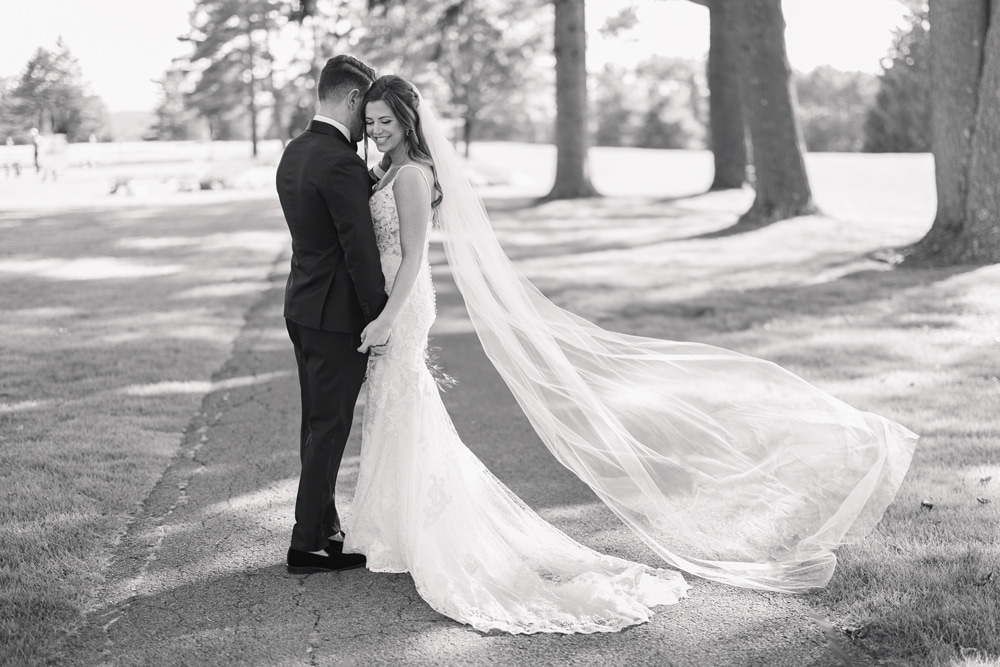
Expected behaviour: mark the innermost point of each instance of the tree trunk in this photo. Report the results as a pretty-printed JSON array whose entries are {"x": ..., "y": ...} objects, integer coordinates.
[
  {"x": 252, "y": 84},
  {"x": 279, "y": 115},
  {"x": 981, "y": 240},
  {"x": 572, "y": 133},
  {"x": 769, "y": 103},
  {"x": 467, "y": 135},
  {"x": 725, "y": 113},
  {"x": 959, "y": 88},
  {"x": 253, "y": 114}
]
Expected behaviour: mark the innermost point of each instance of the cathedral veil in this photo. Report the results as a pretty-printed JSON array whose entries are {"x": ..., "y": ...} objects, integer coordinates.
[{"x": 727, "y": 466}]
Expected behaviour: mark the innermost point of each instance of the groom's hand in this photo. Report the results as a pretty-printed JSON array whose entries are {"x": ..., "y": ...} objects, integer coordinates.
[
  {"x": 378, "y": 172},
  {"x": 375, "y": 337}
]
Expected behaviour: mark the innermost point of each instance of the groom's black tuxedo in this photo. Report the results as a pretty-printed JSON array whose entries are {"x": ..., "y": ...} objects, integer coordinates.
[
  {"x": 334, "y": 289},
  {"x": 336, "y": 280}
]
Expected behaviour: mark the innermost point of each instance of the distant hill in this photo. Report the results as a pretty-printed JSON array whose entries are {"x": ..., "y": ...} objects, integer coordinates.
[{"x": 130, "y": 125}]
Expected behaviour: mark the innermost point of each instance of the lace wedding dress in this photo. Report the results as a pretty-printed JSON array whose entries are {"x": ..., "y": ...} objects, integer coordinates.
[{"x": 426, "y": 505}]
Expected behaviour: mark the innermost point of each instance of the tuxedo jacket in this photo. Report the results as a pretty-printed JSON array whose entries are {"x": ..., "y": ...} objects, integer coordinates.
[{"x": 336, "y": 281}]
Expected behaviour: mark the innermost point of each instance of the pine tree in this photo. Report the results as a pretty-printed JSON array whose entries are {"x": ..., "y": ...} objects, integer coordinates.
[
  {"x": 232, "y": 62},
  {"x": 52, "y": 96}
]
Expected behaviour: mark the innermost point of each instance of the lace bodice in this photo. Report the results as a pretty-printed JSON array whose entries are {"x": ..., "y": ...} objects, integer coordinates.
[
  {"x": 385, "y": 219},
  {"x": 409, "y": 338}
]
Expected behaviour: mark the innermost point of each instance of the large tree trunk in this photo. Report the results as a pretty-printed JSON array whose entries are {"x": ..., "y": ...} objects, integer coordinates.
[
  {"x": 964, "y": 125},
  {"x": 769, "y": 103},
  {"x": 572, "y": 133},
  {"x": 725, "y": 113},
  {"x": 981, "y": 240}
]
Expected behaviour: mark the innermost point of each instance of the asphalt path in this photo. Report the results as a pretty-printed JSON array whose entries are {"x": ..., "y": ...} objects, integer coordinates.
[{"x": 200, "y": 579}]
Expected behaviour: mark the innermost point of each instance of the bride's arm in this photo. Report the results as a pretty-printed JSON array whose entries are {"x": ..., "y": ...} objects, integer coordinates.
[{"x": 413, "y": 204}]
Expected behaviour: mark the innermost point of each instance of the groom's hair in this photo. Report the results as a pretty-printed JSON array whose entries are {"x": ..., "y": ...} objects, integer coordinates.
[{"x": 341, "y": 75}]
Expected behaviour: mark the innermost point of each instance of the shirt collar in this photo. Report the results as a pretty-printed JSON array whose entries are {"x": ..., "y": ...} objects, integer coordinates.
[{"x": 337, "y": 124}]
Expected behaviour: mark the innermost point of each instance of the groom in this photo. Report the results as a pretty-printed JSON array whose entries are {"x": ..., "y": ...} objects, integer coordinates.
[{"x": 334, "y": 289}]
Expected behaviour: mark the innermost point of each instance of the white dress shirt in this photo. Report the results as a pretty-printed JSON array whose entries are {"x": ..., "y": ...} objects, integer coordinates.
[
  {"x": 376, "y": 172},
  {"x": 336, "y": 123}
]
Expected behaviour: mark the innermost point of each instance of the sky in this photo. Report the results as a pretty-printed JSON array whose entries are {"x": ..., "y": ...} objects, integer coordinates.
[{"x": 123, "y": 45}]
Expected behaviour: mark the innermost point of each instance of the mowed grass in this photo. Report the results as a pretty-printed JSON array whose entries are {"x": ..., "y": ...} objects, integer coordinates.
[{"x": 115, "y": 317}]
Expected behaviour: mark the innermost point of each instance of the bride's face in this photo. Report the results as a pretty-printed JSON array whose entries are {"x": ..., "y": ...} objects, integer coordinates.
[{"x": 383, "y": 126}]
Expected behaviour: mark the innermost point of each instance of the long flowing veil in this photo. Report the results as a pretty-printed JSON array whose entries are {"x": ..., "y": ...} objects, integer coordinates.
[{"x": 727, "y": 466}]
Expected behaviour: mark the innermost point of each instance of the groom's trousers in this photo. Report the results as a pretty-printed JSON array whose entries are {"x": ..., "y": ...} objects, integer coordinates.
[{"x": 331, "y": 372}]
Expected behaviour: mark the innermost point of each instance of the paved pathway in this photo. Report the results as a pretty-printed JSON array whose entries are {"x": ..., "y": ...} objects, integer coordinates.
[{"x": 200, "y": 579}]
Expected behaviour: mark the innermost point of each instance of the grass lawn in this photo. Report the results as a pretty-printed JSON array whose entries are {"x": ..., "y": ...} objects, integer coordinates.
[{"x": 116, "y": 312}]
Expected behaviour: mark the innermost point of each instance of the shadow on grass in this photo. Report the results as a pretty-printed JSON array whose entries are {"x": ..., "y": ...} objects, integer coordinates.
[
  {"x": 736, "y": 229},
  {"x": 722, "y": 311},
  {"x": 526, "y": 204},
  {"x": 529, "y": 229}
]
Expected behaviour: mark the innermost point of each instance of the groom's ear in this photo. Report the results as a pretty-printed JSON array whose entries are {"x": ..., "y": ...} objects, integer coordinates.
[{"x": 353, "y": 99}]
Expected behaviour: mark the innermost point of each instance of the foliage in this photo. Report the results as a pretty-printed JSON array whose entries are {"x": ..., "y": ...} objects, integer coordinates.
[
  {"x": 677, "y": 109},
  {"x": 615, "y": 104},
  {"x": 10, "y": 125},
  {"x": 483, "y": 56},
  {"x": 232, "y": 57},
  {"x": 322, "y": 30},
  {"x": 661, "y": 103},
  {"x": 832, "y": 108},
  {"x": 473, "y": 55},
  {"x": 51, "y": 95},
  {"x": 899, "y": 121},
  {"x": 174, "y": 120},
  {"x": 477, "y": 59},
  {"x": 626, "y": 19}
]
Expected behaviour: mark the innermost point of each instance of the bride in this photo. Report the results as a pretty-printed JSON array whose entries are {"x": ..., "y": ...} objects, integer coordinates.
[{"x": 727, "y": 466}]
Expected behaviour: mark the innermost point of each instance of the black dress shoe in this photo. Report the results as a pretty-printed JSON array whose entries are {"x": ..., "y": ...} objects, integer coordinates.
[
  {"x": 336, "y": 547},
  {"x": 303, "y": 562}
]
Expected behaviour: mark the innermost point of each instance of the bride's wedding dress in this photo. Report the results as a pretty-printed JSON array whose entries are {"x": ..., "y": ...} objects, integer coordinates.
[
  {"x": 426, "y": 505},
  {"x": 728, "y": 467}
]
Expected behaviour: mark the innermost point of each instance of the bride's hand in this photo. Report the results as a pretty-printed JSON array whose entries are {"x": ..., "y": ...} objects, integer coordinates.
[{"x": 375, "y": 337}]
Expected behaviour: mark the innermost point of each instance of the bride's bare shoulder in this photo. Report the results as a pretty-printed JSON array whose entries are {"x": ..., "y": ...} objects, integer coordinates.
[{"x": 418, "y": 174}]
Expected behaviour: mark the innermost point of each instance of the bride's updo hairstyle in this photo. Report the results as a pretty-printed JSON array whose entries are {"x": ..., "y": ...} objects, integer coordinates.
[{"x": 402, "y": 98}]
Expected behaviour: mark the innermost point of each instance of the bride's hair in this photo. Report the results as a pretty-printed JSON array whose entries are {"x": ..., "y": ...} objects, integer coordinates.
[{"x": 402, "y": 98}]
